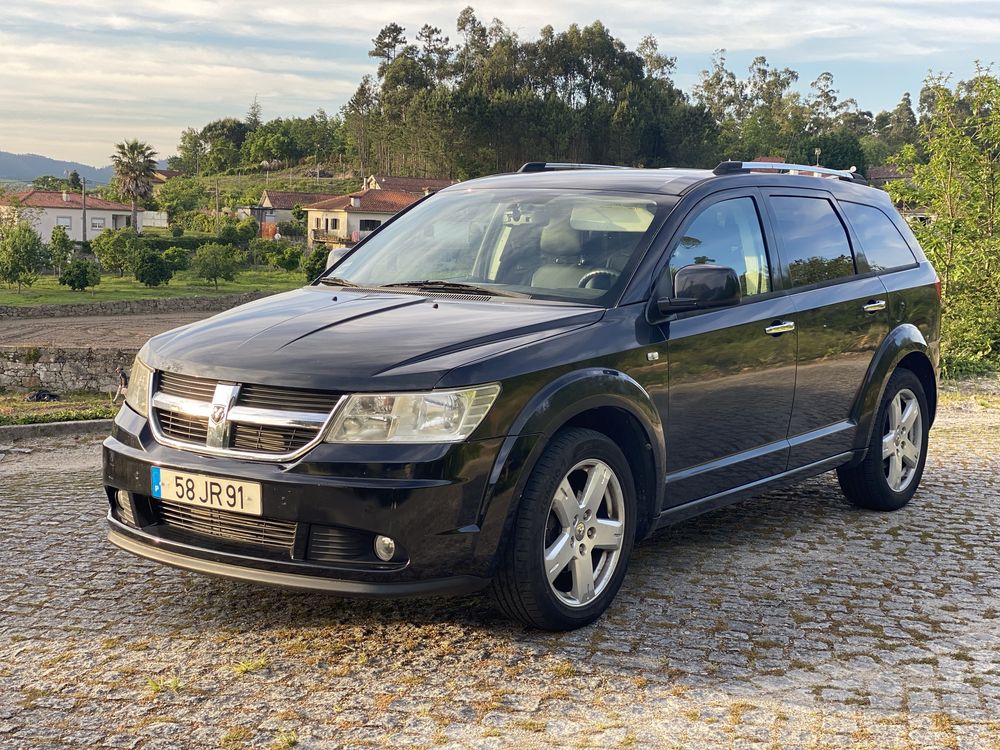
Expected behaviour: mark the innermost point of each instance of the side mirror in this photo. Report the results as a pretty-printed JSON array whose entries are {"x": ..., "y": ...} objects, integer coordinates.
[
  {"x": 701, "y": 286},
  {"x": 334, "y": 256}
]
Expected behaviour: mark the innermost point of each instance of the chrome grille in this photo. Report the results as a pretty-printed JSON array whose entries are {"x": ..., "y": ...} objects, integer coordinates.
[
  {"x": 257, "y": 421},
  {"x": 187, "y": 386},
  {"x": 183, "y": 427},
  {"x": 249, "y": 437},
  {"x": 221, "y": 524}
]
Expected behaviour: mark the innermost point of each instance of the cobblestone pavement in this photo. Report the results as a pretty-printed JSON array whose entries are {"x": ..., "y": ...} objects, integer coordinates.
[{"x": 792, "y": 621}]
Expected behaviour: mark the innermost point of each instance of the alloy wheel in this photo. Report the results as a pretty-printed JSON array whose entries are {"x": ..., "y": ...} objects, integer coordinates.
[
  {"x": 584, "y": 533},
  {"x": 902, "y": 440}
]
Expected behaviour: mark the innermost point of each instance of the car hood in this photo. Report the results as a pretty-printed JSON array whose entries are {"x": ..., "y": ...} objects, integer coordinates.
[{"x": 341, "y": 340}]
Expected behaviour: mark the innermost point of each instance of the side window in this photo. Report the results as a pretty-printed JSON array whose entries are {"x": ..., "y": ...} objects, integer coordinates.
[
  {"x": 884, "y": 246},
  {"x": 814, "y": 241},
  {"x": 727, "y": 233}
]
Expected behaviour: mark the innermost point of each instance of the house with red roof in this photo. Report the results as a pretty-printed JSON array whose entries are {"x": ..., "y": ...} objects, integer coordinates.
[
  {"x": 345, "y": 219},
  {"x": 47, "y": 209},
  {"x": 421, "y": 185}
]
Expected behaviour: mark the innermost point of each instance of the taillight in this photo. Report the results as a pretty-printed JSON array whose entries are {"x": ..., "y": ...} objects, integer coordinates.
[{"x": 937, "y": 288}]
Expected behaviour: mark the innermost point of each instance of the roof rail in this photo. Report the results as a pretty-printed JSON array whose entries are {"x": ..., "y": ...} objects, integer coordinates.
[
  {"x": 553, "y": 166},
  {"x": 739, "y": 167}
]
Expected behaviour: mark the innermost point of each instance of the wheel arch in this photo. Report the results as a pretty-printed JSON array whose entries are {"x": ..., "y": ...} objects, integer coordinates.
[
  {"x": 904, "y": 347},
  {"x": 605, "y": 400}
]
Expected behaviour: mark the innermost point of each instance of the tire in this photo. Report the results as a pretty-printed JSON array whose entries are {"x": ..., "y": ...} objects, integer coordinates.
[
  {"x": 555, "y": 518},
  {"x": 890, "y": 473}
]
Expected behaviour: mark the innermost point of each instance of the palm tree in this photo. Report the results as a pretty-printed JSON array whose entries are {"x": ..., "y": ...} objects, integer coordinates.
[{"x": 134, "y": 163}]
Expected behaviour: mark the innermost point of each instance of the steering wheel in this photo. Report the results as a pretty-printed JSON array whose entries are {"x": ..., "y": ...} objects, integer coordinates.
[{"x": 591, "y": 275}]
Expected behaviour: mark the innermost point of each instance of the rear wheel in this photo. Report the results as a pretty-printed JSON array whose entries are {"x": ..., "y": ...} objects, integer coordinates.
[
  {"x": 891, "y": 471},
  {"x": 572, "y": 537}
]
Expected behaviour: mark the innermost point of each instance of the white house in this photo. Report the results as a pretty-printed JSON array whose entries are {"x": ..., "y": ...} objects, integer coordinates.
[{"x": 47, "y": 209}]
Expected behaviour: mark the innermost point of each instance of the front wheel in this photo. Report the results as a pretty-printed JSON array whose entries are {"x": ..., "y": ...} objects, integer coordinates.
[
  {"x": 572, "y": 537},
  {"x": 891, "y": 470}
]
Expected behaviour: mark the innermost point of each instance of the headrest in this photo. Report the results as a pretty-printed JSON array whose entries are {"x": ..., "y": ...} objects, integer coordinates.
[{"x": 559, "y": 238}]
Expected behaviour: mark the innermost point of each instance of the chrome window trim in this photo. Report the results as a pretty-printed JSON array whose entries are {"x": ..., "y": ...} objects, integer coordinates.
[{"x": 243, "y": 415}]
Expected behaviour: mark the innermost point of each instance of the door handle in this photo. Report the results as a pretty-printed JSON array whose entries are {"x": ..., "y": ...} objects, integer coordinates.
[
  {"x": 873, "y": 306},
  {"x": 779, "y": 327}
]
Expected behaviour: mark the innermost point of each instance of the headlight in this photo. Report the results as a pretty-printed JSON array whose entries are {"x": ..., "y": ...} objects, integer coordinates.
[
  {"x": 433, "y": 417},
  {"x": 137, "y": 395}
]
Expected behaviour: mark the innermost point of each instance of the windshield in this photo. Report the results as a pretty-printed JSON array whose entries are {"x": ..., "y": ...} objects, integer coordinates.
[{"x": 577, "y": 246}]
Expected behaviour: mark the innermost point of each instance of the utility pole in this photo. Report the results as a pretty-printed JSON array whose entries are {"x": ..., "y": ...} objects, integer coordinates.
[{"x": 83, "y": 193}]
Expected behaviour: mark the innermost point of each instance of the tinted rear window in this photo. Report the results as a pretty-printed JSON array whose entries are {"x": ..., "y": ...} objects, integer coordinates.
[
  {"x": 884, "y": 246},
  {"x": 814, "y": 240}
]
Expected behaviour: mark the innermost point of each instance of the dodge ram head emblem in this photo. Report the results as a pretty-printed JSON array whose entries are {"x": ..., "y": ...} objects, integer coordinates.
[{"x": 218, "y": 422}]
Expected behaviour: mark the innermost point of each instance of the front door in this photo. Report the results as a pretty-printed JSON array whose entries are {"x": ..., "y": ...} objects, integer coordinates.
[{"x": 731, "y": 370}]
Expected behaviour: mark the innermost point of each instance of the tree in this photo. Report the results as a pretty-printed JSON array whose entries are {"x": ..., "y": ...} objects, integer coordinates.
[
  {"x": 180, "y": 196},
  {"x": 22, "y": 255},
  {"x": 151, "y": 268},
  {"x": 80, "y": 274},
  {"x": 959, "y": 188},
  {"x": 215, "y": 261},
  {"x": 60, "y": 248},
  {"x": 117, "y": 248},
  {"x": 252, "y": 120},
  {"x": 134, "y": 163},
  {"x": 74, "y": 180},
  {"x": 190, "y": 152}
]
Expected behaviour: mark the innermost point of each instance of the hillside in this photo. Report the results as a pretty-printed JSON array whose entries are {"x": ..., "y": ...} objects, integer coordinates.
[{"x": 26, "y": 167}]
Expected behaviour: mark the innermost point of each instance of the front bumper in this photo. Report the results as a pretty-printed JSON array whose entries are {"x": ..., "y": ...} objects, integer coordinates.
[{"x": 431, "y": 499}]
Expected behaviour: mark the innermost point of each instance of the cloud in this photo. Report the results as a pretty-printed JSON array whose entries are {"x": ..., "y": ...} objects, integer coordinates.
[{"x": 77, "y": 73}]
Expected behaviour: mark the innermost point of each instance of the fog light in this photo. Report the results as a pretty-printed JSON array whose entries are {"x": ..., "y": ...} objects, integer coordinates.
[
  {"x": 385, "y": 548},
  {"x": 123, "y": 504}
]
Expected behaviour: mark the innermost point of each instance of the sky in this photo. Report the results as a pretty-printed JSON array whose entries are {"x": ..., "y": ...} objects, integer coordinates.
[{"x": 77, "y": 76}]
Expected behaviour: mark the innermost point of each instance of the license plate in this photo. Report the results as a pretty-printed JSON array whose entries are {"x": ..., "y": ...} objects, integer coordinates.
[{"x": 206, "y": 492}]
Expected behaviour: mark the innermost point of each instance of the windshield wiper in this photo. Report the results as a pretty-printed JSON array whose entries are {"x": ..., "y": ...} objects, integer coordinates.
[
  {"x": 336, "y": 281},
  {"x": 458, "y": 287}
]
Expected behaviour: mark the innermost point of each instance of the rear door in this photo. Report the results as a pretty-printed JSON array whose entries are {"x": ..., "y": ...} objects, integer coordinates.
[
  {"x": 840, "y": 316},
  {"x": 731, "y": 370}
]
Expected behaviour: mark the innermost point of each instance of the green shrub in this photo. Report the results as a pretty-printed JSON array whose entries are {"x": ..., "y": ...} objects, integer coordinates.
[
  {"x": 229, "y": 234},
  {"x": 176, "y": 230},
  {"x": 315, "y": 263},
  {"x": 286, "y": 257},
  {"x": 151, "y": 268},
  {"x": 188, "y": 243},
  {"x": 258, "y": 249},
  {"x": 80, "y": 274},
  {"x": 177, "y": 258}
]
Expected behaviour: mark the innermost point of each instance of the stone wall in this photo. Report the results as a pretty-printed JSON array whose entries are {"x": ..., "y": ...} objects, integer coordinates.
[
  {"x": 133, "y": 307},
  {"x": 25, "y": 368}
]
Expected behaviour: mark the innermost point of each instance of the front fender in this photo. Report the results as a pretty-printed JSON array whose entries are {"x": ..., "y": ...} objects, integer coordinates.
[
  {"x": 901, "y": 341},
  {"x": 554, "y": 405}
]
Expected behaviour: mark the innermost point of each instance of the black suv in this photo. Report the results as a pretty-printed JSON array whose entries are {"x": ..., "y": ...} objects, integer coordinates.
[{"x": 518, "y": 377}]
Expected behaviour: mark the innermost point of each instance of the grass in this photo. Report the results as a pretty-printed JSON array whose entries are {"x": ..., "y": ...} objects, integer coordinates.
[
  {"x": 157, "y": 685},
  {"x": 73, "y": 406},
  {"x": 47, "y": 291},
  {"x": 250, "y": 665},
  {"x": 285, "y": 739}
]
